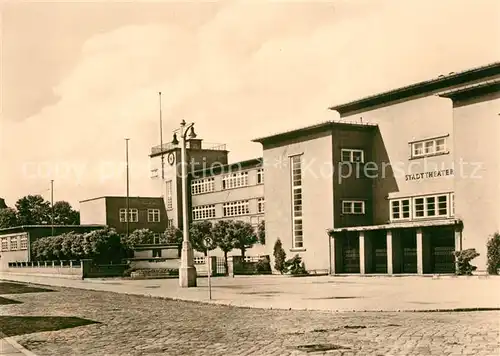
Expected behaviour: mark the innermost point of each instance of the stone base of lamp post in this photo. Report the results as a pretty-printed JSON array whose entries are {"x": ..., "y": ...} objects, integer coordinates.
[{"x": 187, "y": 271}]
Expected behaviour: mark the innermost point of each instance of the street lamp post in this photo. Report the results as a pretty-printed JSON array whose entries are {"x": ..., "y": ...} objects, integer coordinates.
[{"x": 187, "y": 271}]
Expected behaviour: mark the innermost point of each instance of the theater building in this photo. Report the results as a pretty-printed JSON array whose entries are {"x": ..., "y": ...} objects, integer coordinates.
[
  {"x": 413, "y": 177},
  {"x": 393, "y": 185}
]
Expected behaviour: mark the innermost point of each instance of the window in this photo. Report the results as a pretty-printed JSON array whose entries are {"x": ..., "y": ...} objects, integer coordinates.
[
  {"x": 235, "y": 180},
  {"x": 169, "y": 194},
  {"x": 156, "y": 238},
  {"x": 123, "y": 215},
  {"x": 236, "y": 208},
  {"x": 260, "y": 176},
  {"x": 24, "y": 242},
  {"x": 400, "y": 209},
  {"x": 351, "y": 155},
  {"x": 353, "y": 207},
  {"x": 452, "y": 204},
  {"x": 261, "y": 205},
  {"x": 5, "y": 244},
  {"x": 13, "y": 243},
  {"x": 170, "y": 222},
  {"x": 203, "y": 212},
  {"x": 431, "y": 206},
  {"x": 133, "y": 213},
  {"x": 204, "y": 185},
  {"x": 153, "y": 215},
  {"x": 296, "y": 175},
  {"x": 428, "y": 147}
]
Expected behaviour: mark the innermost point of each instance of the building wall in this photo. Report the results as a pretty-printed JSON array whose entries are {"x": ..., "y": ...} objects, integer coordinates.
[
  {"x": 93, "y": 212},
  {"x": 317, "y": 200},
  {"x": 477, "y": 187},
  {"x": 399, "y": 125}
]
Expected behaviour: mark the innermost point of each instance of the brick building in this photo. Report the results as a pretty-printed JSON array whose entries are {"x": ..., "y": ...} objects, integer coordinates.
[{"x": 145, "y": 213}]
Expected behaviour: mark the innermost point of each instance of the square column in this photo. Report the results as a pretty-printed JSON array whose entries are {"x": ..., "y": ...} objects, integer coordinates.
[
  {"x": 362, "y": 256},
  {"x": 420, "y": 252},
  {"x": 390, "y": 259}
]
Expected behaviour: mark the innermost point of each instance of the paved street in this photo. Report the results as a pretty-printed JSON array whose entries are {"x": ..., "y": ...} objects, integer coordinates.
[{"x": 134, "y": 325}]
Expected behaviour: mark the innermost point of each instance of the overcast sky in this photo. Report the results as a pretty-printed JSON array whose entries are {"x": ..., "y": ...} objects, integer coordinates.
[{"x": 77, "y": 78}]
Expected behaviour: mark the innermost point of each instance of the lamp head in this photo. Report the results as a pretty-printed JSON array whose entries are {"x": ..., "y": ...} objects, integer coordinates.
[
  {"x": 175, "y": 141},
  {"x": 192, "y": 134}
]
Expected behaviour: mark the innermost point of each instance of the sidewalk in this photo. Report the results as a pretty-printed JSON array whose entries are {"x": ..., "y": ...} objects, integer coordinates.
[{"x": 326, "y": 293}]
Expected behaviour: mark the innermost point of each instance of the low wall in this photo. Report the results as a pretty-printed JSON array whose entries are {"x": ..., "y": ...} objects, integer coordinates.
[
  {"x": 158, "y": 263},
  {"x": 66, "y": 269},
  {"x": 63, "y": 269}
]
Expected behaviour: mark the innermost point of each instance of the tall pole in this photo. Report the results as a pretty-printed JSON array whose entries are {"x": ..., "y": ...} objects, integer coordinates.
[
  {"x": 52, "y": 205},
  {"x": 128, "y": 192},
  {"x": 161, "y": 148},
  {"x": 187, "y": 271}
]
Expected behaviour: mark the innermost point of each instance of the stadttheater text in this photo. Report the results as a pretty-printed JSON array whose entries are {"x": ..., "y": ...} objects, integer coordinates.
[{"x": 432, "y": 174}]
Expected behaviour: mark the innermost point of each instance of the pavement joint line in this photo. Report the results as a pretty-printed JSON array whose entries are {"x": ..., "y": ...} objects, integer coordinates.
[
  {"x": 230, "y": 304},
  {"x": 16, "y": 345}
]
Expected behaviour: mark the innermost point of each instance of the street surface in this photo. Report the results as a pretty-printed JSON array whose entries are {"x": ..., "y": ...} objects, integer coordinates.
[{"x": 135, "y": 325}]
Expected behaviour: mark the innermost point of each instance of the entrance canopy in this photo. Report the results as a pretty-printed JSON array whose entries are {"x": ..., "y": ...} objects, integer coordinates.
[{"x": 399, "y": 225}]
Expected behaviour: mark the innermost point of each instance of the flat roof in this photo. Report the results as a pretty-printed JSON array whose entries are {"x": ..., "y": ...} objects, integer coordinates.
[
  {"x": 118, "y": 196},
  {"x": 473, "y": 91},
  {"x": 418, "y": 89},
  {"x": 399, "y": 225},
  {"x": 219, "y": 168},
  {"x": 322, "y": 126},
  {"x": 24, "y": 227}
]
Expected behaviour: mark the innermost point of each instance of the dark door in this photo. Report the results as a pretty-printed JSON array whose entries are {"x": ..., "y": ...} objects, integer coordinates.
[
  {"x": 379, "y": 243},
  {"x": 409, "y": 247},
  {"x": 442, "y": 241},
  {"x": 351, "y": 253}
]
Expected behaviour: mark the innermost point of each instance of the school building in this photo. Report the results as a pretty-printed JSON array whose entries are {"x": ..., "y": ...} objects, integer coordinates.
[{"x": 394, "y": 185}]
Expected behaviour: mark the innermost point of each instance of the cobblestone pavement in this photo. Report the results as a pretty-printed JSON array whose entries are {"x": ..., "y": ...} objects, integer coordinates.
[{"x": 133, "y": 325}]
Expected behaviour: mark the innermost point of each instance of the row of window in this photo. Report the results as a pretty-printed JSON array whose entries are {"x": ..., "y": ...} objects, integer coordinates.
[
  {"x": 133, "y": 215},
  {"x": 296, "y": 175},
  {"x": 229, "y": 209},
  {"x": 229, "y": 181},
  {"x": 440, "y": 205},
  {"x": 14, "y": 243}
]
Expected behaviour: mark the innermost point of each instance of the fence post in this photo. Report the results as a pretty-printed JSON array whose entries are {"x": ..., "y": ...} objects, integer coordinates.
[{"x": 230, "y": 266}]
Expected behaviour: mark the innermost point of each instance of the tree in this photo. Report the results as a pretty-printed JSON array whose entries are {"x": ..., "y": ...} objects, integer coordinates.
[
  {"x": 244, "y": 236},
  {"x": 138, "y": 237},
  {"x": 33, "y": 210},
  {"x": 493, "y": 253},
  {"x": 279, "y": 257},
  {"x": 174, "y": 235},
  {"x": 223, "y": 235},
  {"x": 261, "y": 232},
  {"x": 64, "y": 214},
  {"x": 8, "y": 218},
  {"x": 200, "y": 234},
  {"x": 463, "y": 259},
  {"x": 104, "y": 245}
]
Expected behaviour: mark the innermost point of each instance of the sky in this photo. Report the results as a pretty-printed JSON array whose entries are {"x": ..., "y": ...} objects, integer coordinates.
[{"x": 77, "y": 78}]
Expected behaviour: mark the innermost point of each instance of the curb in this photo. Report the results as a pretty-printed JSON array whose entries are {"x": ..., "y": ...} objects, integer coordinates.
[{"x": 16, "y": 345}]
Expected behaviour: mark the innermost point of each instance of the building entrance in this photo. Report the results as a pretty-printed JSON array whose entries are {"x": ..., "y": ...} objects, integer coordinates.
[
  {"x": 408, "y": 238},
  {"x": 442, "y": 244},
  {"x": 350, "y": 253}
]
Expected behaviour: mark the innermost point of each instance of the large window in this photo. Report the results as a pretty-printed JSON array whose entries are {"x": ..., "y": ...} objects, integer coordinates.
[
  {"x": 421, "y": 207},
  {"x": 13, "y": 243},
  {"x": 236, "y": 208},
  {"x": 428, "y": 147},
  {"x": 5, "y": 244},
  {"x": 169, "y": 194},
  {"x": 203, "y": 212},
  {"x": 296, "y": 175},
  {"x": 400, "y": 209},
  {"x": 204, "y": 185},
  {"x": 260, "y": 176},
  {"x": 353, "y": 155},
  {"x": 353, "y": 207},
  {"x": 24, "y": 242},
  {"x": 261, "y": 205},
  {"x": 153, "y": 215},
  {"x": 235, "y": 180},
  {"x": 133, "y": 215}
]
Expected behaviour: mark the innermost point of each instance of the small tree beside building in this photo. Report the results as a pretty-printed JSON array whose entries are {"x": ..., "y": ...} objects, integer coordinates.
[{"x": 279, "y": 257}]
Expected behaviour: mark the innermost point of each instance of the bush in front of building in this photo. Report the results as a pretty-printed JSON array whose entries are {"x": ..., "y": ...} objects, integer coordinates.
[
  {"x": 261, "y": 232},
  {"x": 279, "y": 257},
  {"x": 493, "y": 254},
  {"x": 295, "y": 266},
  {"x": 463, "y": 258}
]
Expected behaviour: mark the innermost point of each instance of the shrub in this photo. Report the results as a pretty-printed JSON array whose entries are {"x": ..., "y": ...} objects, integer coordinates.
[
  {"x": 279, "y": 257},
  {"x": 493, "y": 254},
  {"x": 295, "y": 266},
  {"x": 463, "y": 259}
]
